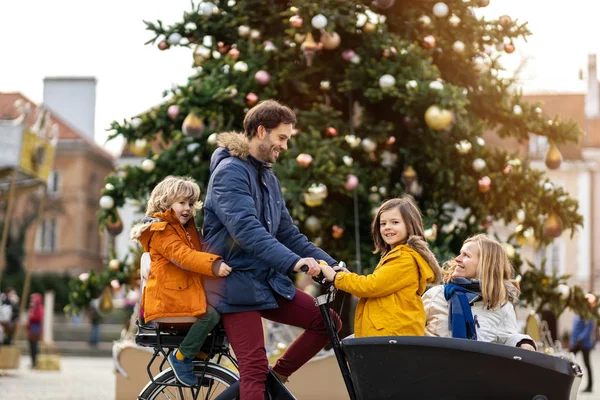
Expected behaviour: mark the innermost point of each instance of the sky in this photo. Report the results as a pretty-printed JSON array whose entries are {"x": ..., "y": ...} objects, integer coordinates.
[{"x": 106, "y": 39}]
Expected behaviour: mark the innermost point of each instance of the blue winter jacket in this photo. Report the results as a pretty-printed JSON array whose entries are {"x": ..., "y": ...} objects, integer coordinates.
[
  {"x": 247, "y": 222},
  {"x": 583, "y": 334}
]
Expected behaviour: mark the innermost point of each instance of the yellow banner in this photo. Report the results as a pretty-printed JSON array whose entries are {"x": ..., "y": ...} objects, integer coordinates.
[{"x": 37, "y": 155}]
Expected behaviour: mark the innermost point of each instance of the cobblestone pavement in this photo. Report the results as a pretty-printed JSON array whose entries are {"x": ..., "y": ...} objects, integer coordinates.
[{"x": 92, "y": 378}]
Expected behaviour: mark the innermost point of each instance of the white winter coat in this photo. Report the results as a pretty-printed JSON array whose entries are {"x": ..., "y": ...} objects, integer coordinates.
[{"x": 496, "y": 326}]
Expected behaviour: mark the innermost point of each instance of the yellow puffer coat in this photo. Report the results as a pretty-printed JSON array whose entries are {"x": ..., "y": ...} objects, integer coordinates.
[
  {"x": 174, "y": 287},
  {"x": 390, "y": 298}
]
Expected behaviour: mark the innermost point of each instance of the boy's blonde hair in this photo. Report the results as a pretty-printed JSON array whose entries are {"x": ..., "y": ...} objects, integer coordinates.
[
  {"x": 415, "y": 238},
  {"x": 494, "y": 272},
  {"x": 172, "y": 189}
]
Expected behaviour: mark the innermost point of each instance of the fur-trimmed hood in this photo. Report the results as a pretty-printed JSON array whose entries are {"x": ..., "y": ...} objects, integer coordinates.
[{"x": 231, "y": 144}]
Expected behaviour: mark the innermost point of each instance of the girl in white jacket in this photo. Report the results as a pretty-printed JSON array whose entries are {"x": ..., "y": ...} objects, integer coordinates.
[{"x": 476, "y": 300}]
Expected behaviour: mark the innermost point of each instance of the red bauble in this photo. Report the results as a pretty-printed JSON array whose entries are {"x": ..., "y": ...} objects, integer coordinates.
[
  {"x": 163, "y": 45},
  {"x": 251, "y": 99},
  {"x": 331, "y": 132}
]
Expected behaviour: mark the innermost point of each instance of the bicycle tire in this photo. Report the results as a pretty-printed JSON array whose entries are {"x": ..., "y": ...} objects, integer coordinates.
[{"x": 218, "y": 376}]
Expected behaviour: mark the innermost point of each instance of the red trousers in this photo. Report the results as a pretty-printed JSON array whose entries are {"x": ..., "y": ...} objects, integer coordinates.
[{"x": 245, "y": 333}]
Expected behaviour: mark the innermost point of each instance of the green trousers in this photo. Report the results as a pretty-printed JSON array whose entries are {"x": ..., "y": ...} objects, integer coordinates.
[{"x": 195, "y": 338}]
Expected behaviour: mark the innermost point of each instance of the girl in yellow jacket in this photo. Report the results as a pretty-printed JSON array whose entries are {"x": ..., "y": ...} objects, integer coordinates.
[
  {"x": 390, "y": 298},
  {"x": 174, "y": 287}
]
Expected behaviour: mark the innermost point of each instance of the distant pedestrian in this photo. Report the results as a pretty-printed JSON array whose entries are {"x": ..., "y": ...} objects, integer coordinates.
[
  {"x": 34, "y": 325},
  {"x": 583, "y": 338}
]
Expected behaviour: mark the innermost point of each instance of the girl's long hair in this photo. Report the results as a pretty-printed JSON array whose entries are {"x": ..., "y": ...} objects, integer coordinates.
[
  {"x": 414, "y": 228},
  {"x": 494, "y": 272},
  {"x": 172, "y": 189}
]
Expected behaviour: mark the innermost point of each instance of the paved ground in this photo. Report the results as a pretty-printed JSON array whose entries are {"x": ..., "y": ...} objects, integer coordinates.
[{"x": 92, "y": 378}]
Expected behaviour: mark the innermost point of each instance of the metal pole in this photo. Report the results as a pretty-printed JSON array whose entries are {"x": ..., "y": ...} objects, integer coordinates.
[
  {"x": 11, "y": 197},
  {"x": 357, "y": 233}
]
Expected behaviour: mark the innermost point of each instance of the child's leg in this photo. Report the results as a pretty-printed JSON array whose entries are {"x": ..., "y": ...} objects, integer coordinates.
[{"x": 197, "y": 335}]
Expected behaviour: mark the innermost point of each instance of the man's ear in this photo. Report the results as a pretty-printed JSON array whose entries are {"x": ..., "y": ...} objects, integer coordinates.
[{"x": 260, "y": 132}]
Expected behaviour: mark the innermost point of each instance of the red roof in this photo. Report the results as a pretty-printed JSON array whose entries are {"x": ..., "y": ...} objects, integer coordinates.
[{"x": 65, "y": 131}]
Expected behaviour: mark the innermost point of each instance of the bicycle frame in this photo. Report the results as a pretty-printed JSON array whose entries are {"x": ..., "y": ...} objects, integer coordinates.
[{"x": 322, "y": 302}]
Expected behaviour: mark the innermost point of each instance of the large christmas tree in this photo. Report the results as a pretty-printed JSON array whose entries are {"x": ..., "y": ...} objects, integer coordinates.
[{"x": 391, "y": 96}]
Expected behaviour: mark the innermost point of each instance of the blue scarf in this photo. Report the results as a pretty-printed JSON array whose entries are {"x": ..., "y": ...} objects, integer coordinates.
[{"x": 459, "y": 293}]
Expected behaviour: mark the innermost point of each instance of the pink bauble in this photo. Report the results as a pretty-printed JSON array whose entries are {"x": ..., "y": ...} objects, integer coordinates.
[
  {"x": 251, "y": 99},
  {"x": 234, "y": 53},
  {"x": 262, "y": 77},
  {"x": 173, "y": 111},
  {"x": 347, "y": 55},
  {"x": 351, "y": 182},
  {"x": 296, "y": 21}
]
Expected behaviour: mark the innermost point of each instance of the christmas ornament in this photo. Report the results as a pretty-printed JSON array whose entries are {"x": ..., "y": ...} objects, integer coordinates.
[
  {"x": 387, "y": 81},
  {"x": 337, "y": 232},
  {"x": 106, "y": 202},
  {"x": 163, "y": 45},
  {"x": 233, "y": 53},
  {"x": 553, "y": 157},
  {"x": 114, "y": 264},
  {"x": 509, "y": 48},
  {"x": 201, "y": 54},
  {"x": 484, "y": 184},
  {"x": 425, "y": 21},
  {"x": 262, "y": 77},
  {"x": 409, "y": 175},
  {"x": 517, "y": 110},
  {"x": 243, "y": 30},
  {"x": 388, "y": 159},
  {"x": 139, "y": 148},
  {"x": 348, "y": 55},
  {"x": 173, "y": 111},
  {"x": 109, "y": 186},
  {"x": 431, "y": 233},
  {"x": 240, "y": 66},
  {"x": 212, "y": 139},
  {"x": 115, "y": 285},
  {"x": 325, "y": 85},
  {"x": 436, "y": 85},
  {"x": 193, "y": 126},
  {"x": 553, "y": 226},
  {"x": 458, "y": 46},
  {"x": 308, "y": 47},
  {"x": 330, "y": 40},
  {"x": 412, "y": 84},
  {"x": 254, "y": 34},
  {"x": 223, "y": 48},
  {"x": 390, "y": 141},
  {"x": 351, "y": 182},
  {"x": 296, "y": 21},
  {"x": 463, "y": 147},
  {"x": 207, "y": 9},
  {"x": 347, "y": 161},
  {"x": 319, "y": 21},
  {"x": 510, "y": 249},
  {"x": 440, "y": 9},
  {"x": 114, "y": 225},
  {"x": 136, "y": 122},
  {"x": 454, "y": 20},
  {"x": 331, "y": 132},
  {"x": 484, "y": 3},
  {"x": 106, "y": 304},
  {"x": 368, "y": 145},
  {"x": 429, "y": 42},
  {"x": 384, "y": 4},
  {"x": 438, "y": 119},
  {"x": 369, "y": 27},
  {"x": 504, "y": 20},
  {"x": 313, "y": 224},
  {"x": 174, "y": 38},
  {"x": 148, "y": 165},
  {"x": 478, "y": 164},
  {"x": 315, "y": 195},
  {"x": 299, "y": 37},
  {"x": 269, "y": 46},
  {"x": 520, "y": 216},
  {"x": 353, "y": 141},
  {"x": 251, "y": 99},
  {"x": 304, "y": 160},
  {"x": 564, "y": 291}
]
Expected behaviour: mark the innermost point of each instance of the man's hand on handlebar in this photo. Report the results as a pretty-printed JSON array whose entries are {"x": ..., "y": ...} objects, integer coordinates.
[{"x": 311, "y": 266}]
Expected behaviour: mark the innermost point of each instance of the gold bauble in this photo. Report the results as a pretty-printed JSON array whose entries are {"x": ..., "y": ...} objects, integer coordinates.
[
  {"x": 106, "y": 303},
  {"x": 409, "y": 175},
  {"x": 313, "y": 200},
  {"x": 114, "y": 264},
  {"x": 553, "y": 226},
  {"x": 330, "y": 40},
  {"x": 114, "y": 225},
  {"x": 553, "y": 157},
  {"x": 192, "y": 125},
  {"x": 139, "y": 148},
  {"x": 337, "y": 232},
  {"x": 437, "y": 118}
]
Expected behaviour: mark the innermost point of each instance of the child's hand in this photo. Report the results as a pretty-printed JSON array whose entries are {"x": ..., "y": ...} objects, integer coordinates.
[
  {"x": 224, "y": 270},
  {"x": 328, "y": 272}
]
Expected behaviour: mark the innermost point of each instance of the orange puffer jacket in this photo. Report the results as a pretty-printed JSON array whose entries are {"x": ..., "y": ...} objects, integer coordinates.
[{"x": 174, "y": 287}]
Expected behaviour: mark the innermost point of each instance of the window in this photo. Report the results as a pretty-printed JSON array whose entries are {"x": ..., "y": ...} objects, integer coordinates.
[
  {"x": 538, "y": 145},
  {"x": 53, "y": 182},
  {"x": 47, "y": 238}
]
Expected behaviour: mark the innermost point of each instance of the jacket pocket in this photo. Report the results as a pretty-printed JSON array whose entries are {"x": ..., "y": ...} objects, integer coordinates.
[{"x": 241, "y": 288}]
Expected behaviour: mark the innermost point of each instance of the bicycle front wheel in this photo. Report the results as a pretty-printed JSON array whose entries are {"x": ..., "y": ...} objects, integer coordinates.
[{"x": 215, "y": 380}]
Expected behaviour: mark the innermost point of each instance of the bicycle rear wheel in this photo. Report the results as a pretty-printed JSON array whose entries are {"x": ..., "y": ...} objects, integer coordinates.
[{"x": 216, "y": 379}]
